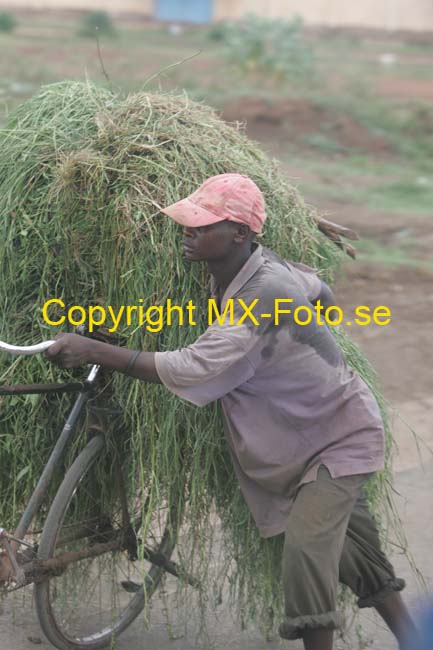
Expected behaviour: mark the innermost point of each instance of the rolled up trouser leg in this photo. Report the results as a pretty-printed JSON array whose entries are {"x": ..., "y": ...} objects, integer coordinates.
[
  {"x": 314, "y": 541},
  {"x": 363, "y": 565}
]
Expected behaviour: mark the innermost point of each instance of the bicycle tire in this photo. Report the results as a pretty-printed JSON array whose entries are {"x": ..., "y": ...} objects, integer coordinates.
[{"x": 54, "y": 628}]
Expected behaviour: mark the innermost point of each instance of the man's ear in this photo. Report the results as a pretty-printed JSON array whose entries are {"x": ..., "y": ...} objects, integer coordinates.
[{"x": 242, "y": 233}]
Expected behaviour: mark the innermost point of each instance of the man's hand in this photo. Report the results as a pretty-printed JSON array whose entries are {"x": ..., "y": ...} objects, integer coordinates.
[{"x": 70, "y": 350}]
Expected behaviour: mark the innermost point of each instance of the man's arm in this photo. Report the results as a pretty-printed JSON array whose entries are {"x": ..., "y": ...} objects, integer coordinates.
[
  {"x": 326, "y": 296},
  {"x": 327, "y": 299},
  {"x": 72, "y": 350}
]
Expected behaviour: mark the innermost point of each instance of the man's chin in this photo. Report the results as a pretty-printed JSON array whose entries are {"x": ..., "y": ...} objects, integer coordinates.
[{"x": 190, "y": 256}]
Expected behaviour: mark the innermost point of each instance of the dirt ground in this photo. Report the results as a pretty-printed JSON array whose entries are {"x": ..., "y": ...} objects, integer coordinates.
[
  {"x": 267, "y": 121},
  {"x": 401, "y": 352}
]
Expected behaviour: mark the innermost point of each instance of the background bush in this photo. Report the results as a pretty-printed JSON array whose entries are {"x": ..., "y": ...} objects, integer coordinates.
[
  {"x": 8, "y": 22},
  {"x": 270, "y": 47},
  {"x": 96, "y": 22}
]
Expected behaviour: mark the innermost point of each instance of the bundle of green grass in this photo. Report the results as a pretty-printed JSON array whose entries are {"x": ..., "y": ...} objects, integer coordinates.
[{"x": 83, "y": 172}]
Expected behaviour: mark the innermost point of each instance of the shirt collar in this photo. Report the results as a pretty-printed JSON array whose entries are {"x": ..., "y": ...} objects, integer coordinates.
[{"x": 253, "y": 263}]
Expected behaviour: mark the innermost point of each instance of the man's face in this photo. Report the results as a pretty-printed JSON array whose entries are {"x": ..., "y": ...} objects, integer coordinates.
[{"x": 207, "y": 243}]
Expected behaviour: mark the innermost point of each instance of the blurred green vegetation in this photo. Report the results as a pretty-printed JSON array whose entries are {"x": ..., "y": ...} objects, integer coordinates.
[
  {"x": 266, "y": 47},
  {"x": 96, "y": 22},
  {"x": 8, "y": 22},
  {"x": 390, "y": 191},
  {"x": 392, "y": 255}
]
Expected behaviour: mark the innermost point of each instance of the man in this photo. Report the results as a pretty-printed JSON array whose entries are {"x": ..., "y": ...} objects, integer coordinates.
[{"x": 304, "y": 431}]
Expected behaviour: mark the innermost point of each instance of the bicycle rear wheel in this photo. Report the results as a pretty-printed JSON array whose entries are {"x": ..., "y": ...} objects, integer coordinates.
[{"x": 97, "y": 586}]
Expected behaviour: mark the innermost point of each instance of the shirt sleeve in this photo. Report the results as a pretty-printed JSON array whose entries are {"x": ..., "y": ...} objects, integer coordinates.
[
  {"x": 214, "y": 365},
  {"x": 307, "y": 279}
]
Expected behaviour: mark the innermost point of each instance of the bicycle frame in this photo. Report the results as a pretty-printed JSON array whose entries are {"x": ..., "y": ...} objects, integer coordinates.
[
  {"x": 11, "y": 542},
  {"x": 85, "y": 391}
]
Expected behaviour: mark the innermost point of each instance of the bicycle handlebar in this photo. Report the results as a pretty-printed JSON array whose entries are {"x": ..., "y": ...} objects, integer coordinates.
[
  {"x": 25, "y": 349},
  {"x": 100, "y": 335}
]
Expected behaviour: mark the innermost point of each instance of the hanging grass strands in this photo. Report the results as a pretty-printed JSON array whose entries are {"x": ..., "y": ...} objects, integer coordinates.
[{"x": 83, "y": 173}]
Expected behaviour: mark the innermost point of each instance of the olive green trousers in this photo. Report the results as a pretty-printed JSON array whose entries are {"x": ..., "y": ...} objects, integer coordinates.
[{"x": 331, "y": 537}]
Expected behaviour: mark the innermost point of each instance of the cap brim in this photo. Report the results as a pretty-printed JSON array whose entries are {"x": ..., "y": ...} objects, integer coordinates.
[{"x": 188, "y": 214}]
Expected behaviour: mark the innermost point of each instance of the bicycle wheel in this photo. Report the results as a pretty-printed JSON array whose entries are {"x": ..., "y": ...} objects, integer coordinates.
[{"x": 97, "y": 587}]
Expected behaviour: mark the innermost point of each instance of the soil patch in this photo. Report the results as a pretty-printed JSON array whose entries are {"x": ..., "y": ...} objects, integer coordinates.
[
  {"x": 381, "y": 226},
  {"x": 299, "y": 119},
  {"x": 404, "y": 88}
]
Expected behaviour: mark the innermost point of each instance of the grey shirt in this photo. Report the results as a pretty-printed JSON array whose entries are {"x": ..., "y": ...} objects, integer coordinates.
[{"x": 289, "y": 400}]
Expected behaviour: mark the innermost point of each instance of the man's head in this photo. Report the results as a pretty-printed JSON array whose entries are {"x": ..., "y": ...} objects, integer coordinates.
[
  {"x": 227, "y": 197},
  {"x": 217, "y": 242}
]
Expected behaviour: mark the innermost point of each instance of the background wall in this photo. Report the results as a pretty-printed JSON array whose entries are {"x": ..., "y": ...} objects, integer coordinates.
[
  {"x": 381, "y": 14},
  {"x": 138, "y": 6},
  {"x": 414, "y": 15}
]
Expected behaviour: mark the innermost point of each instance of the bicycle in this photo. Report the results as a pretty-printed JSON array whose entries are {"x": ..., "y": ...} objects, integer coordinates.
[{"x": 89, "y": 547}]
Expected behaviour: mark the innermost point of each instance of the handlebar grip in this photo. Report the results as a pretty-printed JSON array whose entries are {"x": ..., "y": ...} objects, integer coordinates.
[{"x": 17, "y": 350}]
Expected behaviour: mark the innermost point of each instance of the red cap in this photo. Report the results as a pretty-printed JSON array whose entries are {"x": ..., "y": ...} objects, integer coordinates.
[{"x": 231, "y": 197}]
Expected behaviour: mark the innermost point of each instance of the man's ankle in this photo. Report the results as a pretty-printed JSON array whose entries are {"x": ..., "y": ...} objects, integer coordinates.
[{"x": 318, "y": 639}]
